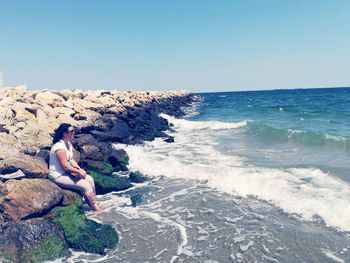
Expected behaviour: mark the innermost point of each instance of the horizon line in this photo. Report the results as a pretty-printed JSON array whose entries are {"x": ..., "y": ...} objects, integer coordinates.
[{"x": 275, "y": 89}]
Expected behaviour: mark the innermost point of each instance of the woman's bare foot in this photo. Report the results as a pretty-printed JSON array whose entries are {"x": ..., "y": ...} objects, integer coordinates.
[{"x": 96, "y": 208}]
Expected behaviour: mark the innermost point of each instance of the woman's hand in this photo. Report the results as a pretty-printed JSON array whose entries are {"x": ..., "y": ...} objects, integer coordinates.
[{"x": 82, "y": 173}]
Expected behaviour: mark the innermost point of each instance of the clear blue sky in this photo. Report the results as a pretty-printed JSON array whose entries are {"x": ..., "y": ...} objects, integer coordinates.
[{"x": 204, "y": 45}]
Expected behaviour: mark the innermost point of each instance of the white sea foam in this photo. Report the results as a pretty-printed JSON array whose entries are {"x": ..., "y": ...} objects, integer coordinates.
[
  {"x": 305, "y": 191},
  {"x": 203, "y": 125},
  {"x": 333, "y": 257}
]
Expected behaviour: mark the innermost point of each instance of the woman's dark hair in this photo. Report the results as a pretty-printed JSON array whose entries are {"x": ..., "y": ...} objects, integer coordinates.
[{"x": 63, "y": 128}]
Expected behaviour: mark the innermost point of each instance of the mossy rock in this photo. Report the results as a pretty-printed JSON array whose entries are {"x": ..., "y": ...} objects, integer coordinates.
[
  {"x": 103, "y": 167},
  {"x": 8, "y": 258},
  {"x": 119, "y": 160},
  {"x": 49, "y": 249},
  {"x": 137, "y": 177},
  {"x": 34, "y": 240},
  {"x": 109, "y": 183},
  {"x": 107, "y": 169},
  {"x": 82, "y": 233},
  {"x": 123, "y": 162}
]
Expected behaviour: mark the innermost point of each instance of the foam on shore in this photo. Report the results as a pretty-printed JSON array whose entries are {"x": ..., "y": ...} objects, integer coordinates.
[{"x": 308, "y": 192}]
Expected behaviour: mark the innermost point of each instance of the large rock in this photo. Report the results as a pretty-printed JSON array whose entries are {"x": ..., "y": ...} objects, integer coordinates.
[
  {"x": 23, "y": 112},
  {"x": 81, "y": 105},
  {"x": 13, "y": 91},
  {"x": 28, "y": 198},
  {"x": 100, "y": 166},
  {"x": 6, "y": 116},
  {"x": 61, "y": 111},
  {"x": 91, "y": 152},
  {"x": 82, "y": 233},
  {"x": 50, "y": 99},
  {"x": 84, "y": 139},
  {"x": 9, "y": 146},
  {"x": 34, "y": 240},
  {"x": 33, "y": 167},
  {"x": 109, "y": 183},
  {"x": 34, "y": 136},
  {"x": 118, "y": 158}
]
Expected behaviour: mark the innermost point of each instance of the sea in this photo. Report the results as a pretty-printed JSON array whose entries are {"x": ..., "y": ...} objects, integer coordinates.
[{"x": 254, "y": 176}]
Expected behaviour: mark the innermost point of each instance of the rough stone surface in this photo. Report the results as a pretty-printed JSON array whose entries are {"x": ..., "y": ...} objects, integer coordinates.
[
  {"x": 69, "y": 197},
  {"x": 82, "y": 233},
  {"x": 33, "y": 167},
  {"x": 34, "y": 240},
  {"x": 91, "y": 152},
  {"x": 28, "y": 198},
  {"x": 49, "y": 98}
]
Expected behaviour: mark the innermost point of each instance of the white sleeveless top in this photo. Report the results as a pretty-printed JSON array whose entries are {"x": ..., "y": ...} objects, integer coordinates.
[{"x": 56, "y": 169}]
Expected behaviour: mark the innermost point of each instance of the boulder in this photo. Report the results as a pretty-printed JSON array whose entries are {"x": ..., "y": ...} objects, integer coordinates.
[
  {"x": 6, "y": 116},
  {"x": 28, "y": 198},
  {"x": 82, "y": 233},
  {"x": 23, "y": 112},
  {"x": 118, "y": 158},
  {"x": 34, "y": 240},
  {"x": 105, "y": 100},
  {"x": 49, "y": 98},
  {"x": 81, "y": 105},
  {"x": 33, "y": 167},
  {"x": 104, "y": 136},
  {"x": 109, "y": 183},
  {"x": 91, "y": 152},
  {"x": 100, "y": 166},
  {"x": 13, "y": 91},
  {"x": 9, "y": 146},
  {"x": 68, "y": 93},
  {"x": 61, "y": 111},
  {"x": 87, "y": 115},
  {"x": 121, "y": 131},
  {"x": 137, "y": 177},
  {"x": 44, "y": 154},
  {"x": 84, "y": 139},
  {"x": 34, "y": 137}
]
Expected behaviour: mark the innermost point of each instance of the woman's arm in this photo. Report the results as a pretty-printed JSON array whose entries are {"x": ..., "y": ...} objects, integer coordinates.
[
  {"x": 76, "y": 171},
  {"x": 76, "y": 165}
]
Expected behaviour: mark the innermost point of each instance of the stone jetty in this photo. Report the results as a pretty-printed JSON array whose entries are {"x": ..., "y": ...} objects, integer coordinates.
[{"x": 40, "y": 221}]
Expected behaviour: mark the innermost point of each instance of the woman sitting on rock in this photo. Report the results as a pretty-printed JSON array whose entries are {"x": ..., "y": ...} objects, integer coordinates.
[{"x": 64, "y": 171}]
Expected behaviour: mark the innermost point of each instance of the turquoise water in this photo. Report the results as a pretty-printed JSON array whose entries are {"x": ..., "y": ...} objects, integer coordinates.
[{"x": 286, "y": 128}]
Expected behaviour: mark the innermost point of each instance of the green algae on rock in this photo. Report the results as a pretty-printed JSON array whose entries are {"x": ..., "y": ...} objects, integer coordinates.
[
  {"x": 137, "y": 177},
  {"x": 82, "y": 233},
  {"x": 34, "y": 240},
  {"x": 109, "y": 183},
  {"x": 50, "y": 248}
]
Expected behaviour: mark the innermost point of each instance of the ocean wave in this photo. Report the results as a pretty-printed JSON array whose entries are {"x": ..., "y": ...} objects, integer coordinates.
[
  {"x": 262, "y": 130},
  {"x": 298, "y": 136},
  {"x": 183, "y": 124},
  {"x": 308, "y": 192},
  {"x": 192, "y": 109}
]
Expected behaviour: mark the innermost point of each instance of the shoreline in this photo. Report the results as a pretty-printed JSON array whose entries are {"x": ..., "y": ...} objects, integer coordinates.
[{"x": 101, "y": 118}]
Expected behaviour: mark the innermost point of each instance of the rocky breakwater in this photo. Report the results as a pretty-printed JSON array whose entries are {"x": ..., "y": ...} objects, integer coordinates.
[{"x": 40, "y": 221}]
